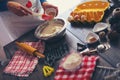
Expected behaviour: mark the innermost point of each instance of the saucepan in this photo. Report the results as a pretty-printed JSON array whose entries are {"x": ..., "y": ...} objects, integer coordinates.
[{"x": 51, "y": 31}]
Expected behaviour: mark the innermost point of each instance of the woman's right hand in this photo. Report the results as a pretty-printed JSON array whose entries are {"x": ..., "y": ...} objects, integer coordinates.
[{"x": 18, "y": 9}]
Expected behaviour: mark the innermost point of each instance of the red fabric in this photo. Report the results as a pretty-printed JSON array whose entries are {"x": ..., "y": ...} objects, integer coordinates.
[
  {"x": 83, "y": 73},
  {"x": 29, "y": 4},
  {"x": 22, "y": 64}
]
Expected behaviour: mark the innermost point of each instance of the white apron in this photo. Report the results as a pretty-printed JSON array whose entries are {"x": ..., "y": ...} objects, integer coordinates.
[{"x": 13, "y": 26}]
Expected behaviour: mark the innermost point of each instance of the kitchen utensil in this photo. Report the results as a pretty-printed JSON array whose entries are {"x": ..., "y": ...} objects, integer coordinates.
[
  {"x": 29, "y": 49},
  {"x": 47, "y": 70},
  {"x": 43, "y": 16},
  {"x": 92, "y": 40},
  {"x": 53, "y": 34}
]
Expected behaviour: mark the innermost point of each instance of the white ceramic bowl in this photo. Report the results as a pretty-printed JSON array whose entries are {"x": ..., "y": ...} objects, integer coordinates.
[
  {"x": 92, "y": 40},
  {"x": 101, "y": 27}
]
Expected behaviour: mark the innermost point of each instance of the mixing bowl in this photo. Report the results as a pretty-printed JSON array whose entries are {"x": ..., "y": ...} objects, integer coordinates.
[{"x": 51, "y": 31}]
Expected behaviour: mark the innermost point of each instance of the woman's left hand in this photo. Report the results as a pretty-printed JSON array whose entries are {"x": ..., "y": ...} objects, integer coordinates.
[{"x": 50, "y": 9}]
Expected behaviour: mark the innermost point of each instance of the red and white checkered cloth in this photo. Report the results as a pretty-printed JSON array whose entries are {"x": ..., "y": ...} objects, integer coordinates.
[
  {"x": 83, "y": 73},
  {"x": 22, "y": 64}
]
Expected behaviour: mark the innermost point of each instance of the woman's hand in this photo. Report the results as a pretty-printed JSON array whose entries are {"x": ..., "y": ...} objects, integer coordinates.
[
  {"x": 50, "y": 9},
  {"x": 18, "y": 9}
]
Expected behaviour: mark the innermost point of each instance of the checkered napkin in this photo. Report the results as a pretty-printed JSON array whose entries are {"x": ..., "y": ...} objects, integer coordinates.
[
  {"x": 22, "y": 64},
  {"x": 83, "y": 73}
]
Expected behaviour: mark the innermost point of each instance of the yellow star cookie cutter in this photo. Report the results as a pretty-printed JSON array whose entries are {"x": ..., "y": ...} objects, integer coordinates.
[{"x": 47, "y": 70}]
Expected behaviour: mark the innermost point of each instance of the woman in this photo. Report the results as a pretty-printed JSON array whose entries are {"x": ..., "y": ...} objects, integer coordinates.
[{"x": 19, "y": 18}]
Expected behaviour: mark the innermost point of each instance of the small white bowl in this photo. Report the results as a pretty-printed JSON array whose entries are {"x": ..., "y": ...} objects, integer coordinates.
[
  {"x": 92, "y": 40},
  {"x": 101, "y": 27}
]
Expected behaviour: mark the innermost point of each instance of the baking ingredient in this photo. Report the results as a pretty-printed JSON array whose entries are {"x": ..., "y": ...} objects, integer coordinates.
[
  {"x": 30, "y": 50},
  {"x": 92, "y": 39},
  {"x": 51, "y": 29},
  {"x": 72, "y": 61}
]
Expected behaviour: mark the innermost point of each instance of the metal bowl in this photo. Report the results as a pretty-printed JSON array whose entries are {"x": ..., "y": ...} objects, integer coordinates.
[{"x": 55, "y": 36}]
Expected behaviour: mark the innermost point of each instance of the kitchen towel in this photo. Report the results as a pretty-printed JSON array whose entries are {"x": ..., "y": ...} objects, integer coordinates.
[
  {"x": 22, "y": 64},
  {"x": 83, "y": 73}
]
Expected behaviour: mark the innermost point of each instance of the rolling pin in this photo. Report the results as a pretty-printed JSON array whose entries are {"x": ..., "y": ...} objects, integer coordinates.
[{"x": 30, "y": 50}]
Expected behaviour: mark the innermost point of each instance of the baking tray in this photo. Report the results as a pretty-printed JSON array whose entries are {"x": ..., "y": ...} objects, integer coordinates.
[{"x": 102, "y": 71}]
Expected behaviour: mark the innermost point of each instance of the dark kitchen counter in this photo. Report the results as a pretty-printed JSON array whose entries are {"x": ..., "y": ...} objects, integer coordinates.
[{"x": 74, "y": 34}]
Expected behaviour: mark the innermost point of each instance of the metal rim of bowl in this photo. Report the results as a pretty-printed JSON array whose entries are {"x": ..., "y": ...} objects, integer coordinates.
[{"x": 42, "y": 26}]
